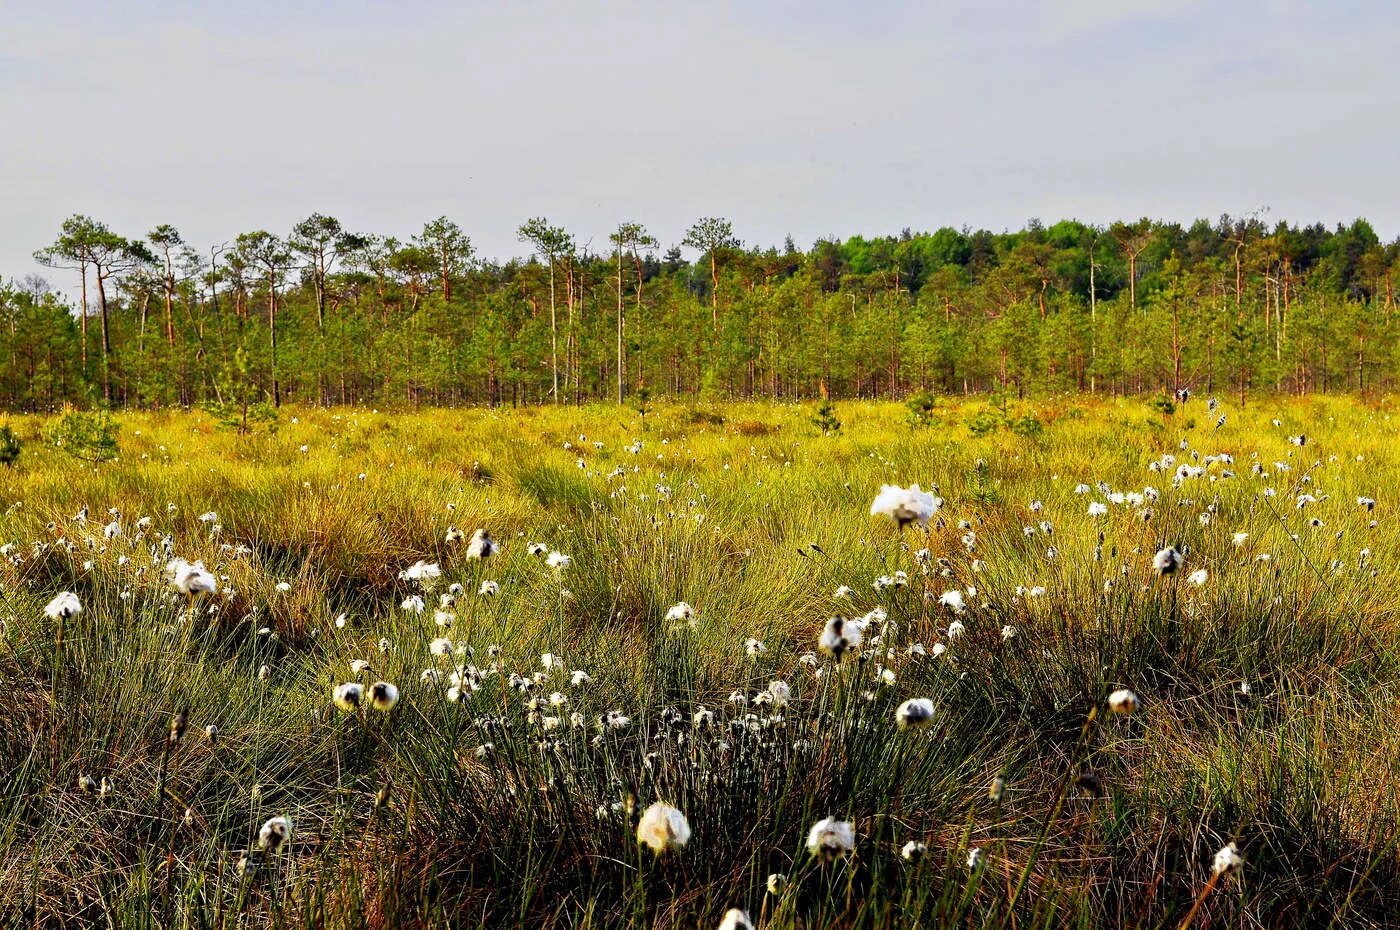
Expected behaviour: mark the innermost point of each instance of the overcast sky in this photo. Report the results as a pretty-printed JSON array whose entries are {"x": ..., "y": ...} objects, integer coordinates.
[{"x": 807, "y": 118}]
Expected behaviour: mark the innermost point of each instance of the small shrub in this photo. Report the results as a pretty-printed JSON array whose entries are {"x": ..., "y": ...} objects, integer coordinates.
[
  {"x": 826, "y": 419},
  {"x": 704, "y": 417},
  {"x": 920, "y": 406},
  {"x": 983, "y": 422},
  {"x": 979, "y": 483},
  {"x": 1163, "y": 405},
  {"x": 1027, "y": 426},
  {"x": 91, "y": 437},
  {"x": 10, "y": 446},
  {"x": 243, "y": 417}
]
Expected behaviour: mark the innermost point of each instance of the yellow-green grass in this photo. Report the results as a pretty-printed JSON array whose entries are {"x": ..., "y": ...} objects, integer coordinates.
[{"x": 754, "y": 517}]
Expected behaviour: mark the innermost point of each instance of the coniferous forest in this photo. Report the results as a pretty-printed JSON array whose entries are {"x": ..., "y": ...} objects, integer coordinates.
[{"x": 324, "y": 314}]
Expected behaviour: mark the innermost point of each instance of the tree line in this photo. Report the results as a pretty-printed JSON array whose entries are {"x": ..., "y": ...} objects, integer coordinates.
[{"x": 324, "y": 314}]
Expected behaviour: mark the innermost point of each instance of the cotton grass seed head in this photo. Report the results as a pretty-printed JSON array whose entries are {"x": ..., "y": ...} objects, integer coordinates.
[
  {"x": 64, "y": 606},
  {"x": 831, "y": 839},
  {"x": 191, "y": 577},
  {"x": 274, "y": 833},
  {"x": 1167, "y": 561},
  {"x": 680, "y": 613},
  {"x": 1123, "y": 702},
  {"x": 349, "y": 696},
  {"x": 663, "y": 829},
  {"x": 1227, "y": 860},
  {"x": 383, "y": 696},
  {"x": 421, "y": 573},
  {"x": 839, "y": 636},
  {"x": 915, "y": 713},
  {"x": 481, "y": 546},
  {"x": 905, "y": 505},
  {"x": 735, "y": 919}
]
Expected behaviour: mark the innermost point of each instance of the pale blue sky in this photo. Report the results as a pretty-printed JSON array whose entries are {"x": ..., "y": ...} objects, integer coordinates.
[{"x": 807, "y": 118}]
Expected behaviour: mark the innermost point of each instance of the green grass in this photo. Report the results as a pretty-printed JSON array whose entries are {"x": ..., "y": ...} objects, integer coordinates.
[{"x": 719, "y": 507}]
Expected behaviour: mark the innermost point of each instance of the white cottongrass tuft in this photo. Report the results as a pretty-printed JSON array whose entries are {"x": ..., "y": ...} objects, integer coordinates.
[
  {"x": 614, "y": 720},
  {"x": 839, "y": 637},
  {"x": 915, "y": 713},
  {"x": 680, "y": 613},
  {"x": 481, "y": 545},
  {"x": 735, "y": 919},
  {"x": 1167, "y": 561},
  {"x": 830, "y": 838},
  {"x": 1123, "y": 702},
  {"x": 779, "y": 692},
  {"x": 421, "y": 573},
  {"x": 65, "y": 605},
  {"x": 1227, "y": 860},
  {"x": 274, "y": 832},
  {"x": 663, "y": 829},
  {"x": 191, "y": 578},
  {"x": 349, "y": 696},
  {"x": 383, "y": 696},
  {"x": 905, "y": 505}
]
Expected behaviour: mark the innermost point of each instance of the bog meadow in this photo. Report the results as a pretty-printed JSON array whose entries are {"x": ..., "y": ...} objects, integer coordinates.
[
  {"x": 952, "y": 662},
  {"x": 815, "y": 465}
]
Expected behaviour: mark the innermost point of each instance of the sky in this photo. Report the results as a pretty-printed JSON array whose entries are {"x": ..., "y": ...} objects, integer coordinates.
[{"x": 807, "y": 119}]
